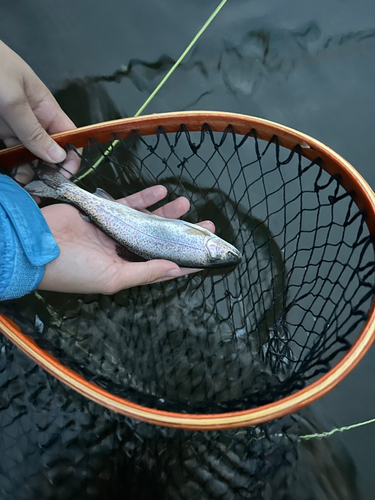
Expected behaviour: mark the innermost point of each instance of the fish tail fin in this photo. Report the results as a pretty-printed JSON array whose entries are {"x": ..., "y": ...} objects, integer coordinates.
[
  {"x": 51, "y": 175},
  {"x": 39, "y": 188}
]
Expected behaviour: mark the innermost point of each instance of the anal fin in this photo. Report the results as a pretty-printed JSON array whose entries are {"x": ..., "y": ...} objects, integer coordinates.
[{"x": 85, "y": 217}]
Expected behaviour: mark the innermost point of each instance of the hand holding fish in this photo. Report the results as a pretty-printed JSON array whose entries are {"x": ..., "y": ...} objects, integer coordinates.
[
  {"x": 29, "y": 113},
  {"x": 88, "y": 262}
]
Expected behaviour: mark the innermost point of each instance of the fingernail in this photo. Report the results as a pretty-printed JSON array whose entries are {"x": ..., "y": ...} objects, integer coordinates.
[
  {"x": 173, "y": 273},
  {"x": 56, "y": 153}
]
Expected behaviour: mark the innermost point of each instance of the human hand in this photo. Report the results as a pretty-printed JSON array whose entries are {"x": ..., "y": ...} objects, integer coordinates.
[
  {"x": 88, "y": 262},
  {"x": 29, "y": 113}
]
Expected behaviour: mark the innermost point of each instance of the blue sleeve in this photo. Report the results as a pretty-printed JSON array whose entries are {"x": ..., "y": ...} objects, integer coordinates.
[{"x": 26, "y": 243}]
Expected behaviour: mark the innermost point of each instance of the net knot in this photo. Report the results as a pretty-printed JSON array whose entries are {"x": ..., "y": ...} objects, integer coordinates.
[
  {"x": 194, "y": 148},
  {"x": 182, "y": 163}
]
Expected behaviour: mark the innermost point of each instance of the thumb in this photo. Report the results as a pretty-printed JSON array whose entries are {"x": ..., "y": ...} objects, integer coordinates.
[
  {"x": 26, "y": 127},
  {"x": 143, "y": 273}
]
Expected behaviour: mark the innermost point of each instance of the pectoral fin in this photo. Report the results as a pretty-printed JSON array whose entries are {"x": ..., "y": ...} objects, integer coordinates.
[{"x": 128, "y": 255}]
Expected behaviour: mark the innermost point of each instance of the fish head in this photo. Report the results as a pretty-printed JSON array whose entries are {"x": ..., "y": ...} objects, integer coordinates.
[{"x": 222, "y": 253}]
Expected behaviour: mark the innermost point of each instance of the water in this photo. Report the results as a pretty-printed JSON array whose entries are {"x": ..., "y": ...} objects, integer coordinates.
[{"x": 308, "y": 66}]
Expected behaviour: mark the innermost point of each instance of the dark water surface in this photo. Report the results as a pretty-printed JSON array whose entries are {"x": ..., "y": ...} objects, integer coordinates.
[{"x": 306, "y": 65}]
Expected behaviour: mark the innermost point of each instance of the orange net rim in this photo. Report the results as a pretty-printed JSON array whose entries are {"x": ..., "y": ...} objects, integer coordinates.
[{"x": 332, "y": 163}]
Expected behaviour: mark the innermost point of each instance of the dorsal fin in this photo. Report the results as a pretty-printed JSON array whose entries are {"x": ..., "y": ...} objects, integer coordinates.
[
  {"x": 103, "y": 194},
  {"x": 195, "y": 229}
]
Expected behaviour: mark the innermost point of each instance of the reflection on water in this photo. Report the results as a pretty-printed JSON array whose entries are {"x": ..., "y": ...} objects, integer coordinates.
[{"x": 242, "y": 65}]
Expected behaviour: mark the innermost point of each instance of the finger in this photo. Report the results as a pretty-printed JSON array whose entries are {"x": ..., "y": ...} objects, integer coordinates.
[
  {"x": 70, "y": 167},
  {"x": 45, "y": 107},
  {"x": 145, "y": 198},
  {"x": 175, "y": 209},
  {"x": 143, "y": 273},
  {"x": 71, "y": 164},
  {"x": 154, "y": 194},
  {"x": 184, "y": 271},
  {"x": 51, "y": 116},
  {"x": 23, "y": 174},
  {"x": 207, "y": 224},
  {"x": 22, "y": 120}
]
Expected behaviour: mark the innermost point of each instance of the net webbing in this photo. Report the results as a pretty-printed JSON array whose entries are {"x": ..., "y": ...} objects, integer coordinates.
[
  {"x": 57, "y": 445},
  {"x": 221, "y": 340}
]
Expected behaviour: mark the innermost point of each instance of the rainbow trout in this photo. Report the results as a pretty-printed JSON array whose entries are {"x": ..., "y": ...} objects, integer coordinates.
[{"x": 146, "y": 235}]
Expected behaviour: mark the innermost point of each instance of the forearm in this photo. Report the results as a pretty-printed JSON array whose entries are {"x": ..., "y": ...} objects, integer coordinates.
[{"x": 26, "y": 243}]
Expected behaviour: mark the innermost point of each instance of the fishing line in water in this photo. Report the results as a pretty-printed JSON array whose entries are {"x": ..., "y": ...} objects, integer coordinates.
[
  {"x": 161, "y": 84},
  {"x": 321, "y": 435},
  {"x": 306, "y": 437}
]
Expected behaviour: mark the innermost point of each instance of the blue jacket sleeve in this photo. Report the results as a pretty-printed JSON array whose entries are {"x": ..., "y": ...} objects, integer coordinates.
[{"x": 26, "y": 243}]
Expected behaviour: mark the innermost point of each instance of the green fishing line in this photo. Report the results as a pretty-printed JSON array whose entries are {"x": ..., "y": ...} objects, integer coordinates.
[
  {"x": 320, "y": 435},
  {"x": 149, "y": 99},
  {"x": 333, "y": 431}
]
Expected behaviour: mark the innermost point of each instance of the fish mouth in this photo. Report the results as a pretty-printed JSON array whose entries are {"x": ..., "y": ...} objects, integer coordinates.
[
  {"x": 233, "y": 257},
  {"x": 227, "y": 261}
]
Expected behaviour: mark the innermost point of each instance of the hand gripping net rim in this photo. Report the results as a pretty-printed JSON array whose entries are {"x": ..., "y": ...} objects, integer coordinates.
[{"x": 311, "y": 149}]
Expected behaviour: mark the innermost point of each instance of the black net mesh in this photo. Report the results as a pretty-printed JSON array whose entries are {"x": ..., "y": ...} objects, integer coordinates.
[
  {"x": 218, "y": 340},
  {"x": 227, "y": 339},
  {"x": 56, "y": 445}
]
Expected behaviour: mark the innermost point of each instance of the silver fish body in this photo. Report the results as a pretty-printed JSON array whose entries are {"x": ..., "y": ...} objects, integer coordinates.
[{"x": 146, "y": 235}]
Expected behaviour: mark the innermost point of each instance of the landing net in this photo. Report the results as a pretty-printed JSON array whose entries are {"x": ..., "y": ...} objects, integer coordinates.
[{"x": 230, "y": 340}]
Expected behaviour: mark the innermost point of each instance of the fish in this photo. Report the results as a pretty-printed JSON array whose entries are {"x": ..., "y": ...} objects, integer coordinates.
[{"x": 146, "y": 235}]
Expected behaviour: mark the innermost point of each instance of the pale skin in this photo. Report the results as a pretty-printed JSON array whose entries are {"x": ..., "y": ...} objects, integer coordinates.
[
  {"x": 88, "y": 262},
  {"x": 29, "y": 113}
]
